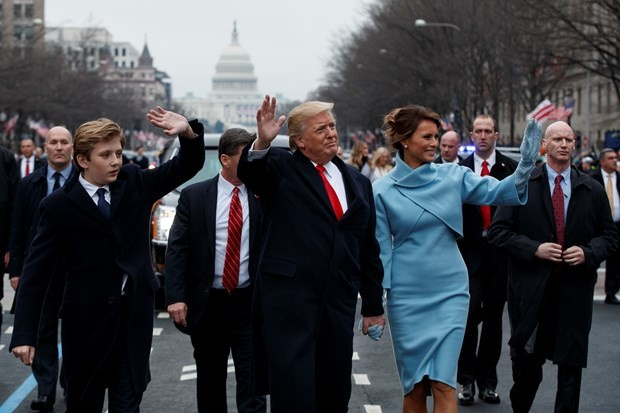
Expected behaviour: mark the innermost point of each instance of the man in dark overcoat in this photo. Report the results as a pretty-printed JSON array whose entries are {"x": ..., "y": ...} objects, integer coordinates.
[
  {"x": 555, "y": 243},
  {"x": 319, "y": 251}
]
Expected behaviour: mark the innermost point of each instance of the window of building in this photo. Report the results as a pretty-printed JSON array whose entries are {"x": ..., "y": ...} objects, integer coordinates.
[
  {"x": 579, "y": 101},
  {"x": 123, "y": 64},
  {"x": 124, "y": 52},
  {"x": 116, "y": 51},
  {"x": 29, "y": 10},
  {"x": 600, "y": 98},
  {"x": 17, "y": 10},
  {"x": 131, "y": 64},
  {"x": 18, "y": 31},
  {"x": 1, "y": 10},
  {"x": 608, "y": 90}
]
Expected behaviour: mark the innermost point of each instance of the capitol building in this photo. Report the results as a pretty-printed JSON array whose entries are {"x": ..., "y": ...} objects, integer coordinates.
[{"x": 234, "y": 99}]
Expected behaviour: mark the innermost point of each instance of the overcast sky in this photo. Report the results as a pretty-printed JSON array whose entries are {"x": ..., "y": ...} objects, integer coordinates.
[{"x": 289, "y": 41}]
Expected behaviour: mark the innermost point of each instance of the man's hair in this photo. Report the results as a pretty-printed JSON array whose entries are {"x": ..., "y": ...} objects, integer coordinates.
[
  {"x": 91, "y": 133},
  {"x": 402, "y": 122},
  {"x": 232, "y": 139},
  {"x": 604, "y": 151},
  {"x": 298, "y": 117},
  {"x": 487, "y": 117}
]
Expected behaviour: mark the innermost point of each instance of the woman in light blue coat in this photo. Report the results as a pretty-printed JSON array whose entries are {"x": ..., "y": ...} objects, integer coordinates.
[{"x": 418, "y": 222}]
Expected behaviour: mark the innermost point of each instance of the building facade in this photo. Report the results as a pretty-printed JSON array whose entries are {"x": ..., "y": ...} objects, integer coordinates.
[{"x": 21, "y": 27}]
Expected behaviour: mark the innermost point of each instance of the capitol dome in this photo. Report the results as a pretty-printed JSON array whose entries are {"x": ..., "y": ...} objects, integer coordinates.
[{"x": 234, "y": 71}]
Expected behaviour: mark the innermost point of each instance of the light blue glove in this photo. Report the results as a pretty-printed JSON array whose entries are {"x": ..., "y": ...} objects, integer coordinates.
[
  {"x": 530, "y": 149},
  {"x": 374, "y": 332}
]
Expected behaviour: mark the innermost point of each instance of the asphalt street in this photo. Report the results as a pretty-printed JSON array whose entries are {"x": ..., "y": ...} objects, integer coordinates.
[{"x": 375, "y": 382}]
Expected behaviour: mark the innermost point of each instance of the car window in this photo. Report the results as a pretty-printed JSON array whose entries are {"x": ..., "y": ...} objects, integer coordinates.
[{"x": 210, "y": 168}]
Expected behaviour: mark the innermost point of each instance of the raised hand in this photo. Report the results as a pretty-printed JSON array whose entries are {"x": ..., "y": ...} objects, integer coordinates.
[
  {"x": 530, "y": 146},
  {"x": 172, "y": 123},
  {"x": 266, "y": 124}
]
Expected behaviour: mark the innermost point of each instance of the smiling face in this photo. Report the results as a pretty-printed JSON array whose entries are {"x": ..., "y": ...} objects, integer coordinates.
[
  {"x": 59, "y": 148},
  {"x": 421, "y": 145},
  {"x": 318, "y": 140},
  {"x": 104, "y": 162}
]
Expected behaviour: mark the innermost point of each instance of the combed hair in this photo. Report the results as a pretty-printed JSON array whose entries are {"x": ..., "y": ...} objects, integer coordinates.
[
  {"x": 401, "y": 123},
  {"x": 231, "y": 139},
  {"x": 91, "y": 133},
  {"x": 298, "y": 117}
]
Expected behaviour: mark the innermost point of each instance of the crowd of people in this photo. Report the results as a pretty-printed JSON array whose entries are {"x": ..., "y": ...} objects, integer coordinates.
[{"x": 267, "y": 258}]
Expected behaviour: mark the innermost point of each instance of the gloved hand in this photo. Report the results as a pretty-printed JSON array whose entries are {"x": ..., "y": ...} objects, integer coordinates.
[
  {"x": 374, "y": 332},
  {"x": 530, "y": 148}
]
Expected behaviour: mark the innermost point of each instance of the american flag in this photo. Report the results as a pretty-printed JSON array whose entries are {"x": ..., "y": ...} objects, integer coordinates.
[
  {"x": 563, "y": 112},
  {"x": 10, "y": 124},
  {"x": 39, "y": 127},
  {"x": 542, "y": 111}
]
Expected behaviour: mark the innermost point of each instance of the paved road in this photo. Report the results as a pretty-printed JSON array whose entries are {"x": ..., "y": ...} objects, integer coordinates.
[{"x": 375, "y": 382}]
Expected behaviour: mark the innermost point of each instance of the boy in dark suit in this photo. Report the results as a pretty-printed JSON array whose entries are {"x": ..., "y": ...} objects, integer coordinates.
[{"x": 97, "y": 225}]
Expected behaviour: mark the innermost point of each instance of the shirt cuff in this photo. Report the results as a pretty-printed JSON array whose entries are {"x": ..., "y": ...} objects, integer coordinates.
[{"x": 256, "y": 153}]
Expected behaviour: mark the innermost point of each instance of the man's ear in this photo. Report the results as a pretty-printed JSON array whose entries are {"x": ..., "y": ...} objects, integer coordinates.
[
  {"x": 225, "y": 160},
  {"x": 81, "y": 160},
  {"x": 300, "y": 144}
]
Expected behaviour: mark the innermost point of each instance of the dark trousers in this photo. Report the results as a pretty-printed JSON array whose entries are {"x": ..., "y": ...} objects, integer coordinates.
[
  {"x": 225, "y": 326},
  {"x": 114, "y": 375},
  {"x": 478, "y": 359},
  {"x": 527, "y": 375},
  {"x": 45, "y": 364},
  {"x": 612, "y": 272}
]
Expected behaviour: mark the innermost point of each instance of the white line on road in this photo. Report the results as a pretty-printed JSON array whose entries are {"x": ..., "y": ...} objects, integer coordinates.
[
  {"x": 189, "y": 376},
  {"x": 157, "y": 331},
  {"x": 372, "y": 408},
  {"x": 191, "y": 367},
  {"x": 163, "y": 314},
  {"x": 361, "y": 379},
  {"x": 356, "y": 356},
  {"x": 9, "y": 330},
  {"x": 1, "y": 347}
]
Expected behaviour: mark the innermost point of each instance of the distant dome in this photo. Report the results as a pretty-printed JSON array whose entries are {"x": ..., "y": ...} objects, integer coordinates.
[{"x": 234, "y": 71}]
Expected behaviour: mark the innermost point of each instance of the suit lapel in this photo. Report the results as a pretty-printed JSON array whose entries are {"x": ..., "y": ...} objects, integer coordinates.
[
  {"x": 546, "y": 193},
  {"x": 117, "y": 189},
  {"x": 209, "y": 202},
  {"x": 352, "y": 188},
  {"x": 78, "y": 195},
  {"x": 309, "y": 174}
]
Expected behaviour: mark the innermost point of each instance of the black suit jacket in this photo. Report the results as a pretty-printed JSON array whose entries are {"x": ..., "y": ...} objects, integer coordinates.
[
  {"x": 143, "y": 163},
  {"x": 473, "y": 240},
  {"x": 38, "y": 164},
  {"x": 9, "y": 180},
  {"x": 310, "y": 271},
  {"x": 96, "y": 253},
  {"x": 190, "y": 254},
  {"x": 32, "y": 189},
  {"x": 519, "y": 231},
  {"x": 598, "y": 177}
]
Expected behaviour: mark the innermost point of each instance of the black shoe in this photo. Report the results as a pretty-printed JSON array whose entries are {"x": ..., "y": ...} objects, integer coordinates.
[
  {"x": 489, "y": 396},
  {"x": 466, "y": 395},
  {"x": 611, "y": 299},
  {"x": 42, "y": 404}
]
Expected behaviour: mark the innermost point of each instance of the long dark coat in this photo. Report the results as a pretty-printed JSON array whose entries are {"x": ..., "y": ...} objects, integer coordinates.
[
  {"x": 97, "y": 253},
  {"x": 310, "y": 271},
  {"x": 520, "y": 230}
]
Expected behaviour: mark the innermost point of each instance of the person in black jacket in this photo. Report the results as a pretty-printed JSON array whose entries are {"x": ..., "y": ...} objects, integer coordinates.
[
  {"x": 98, "y": 224},
  {"x": 32, "y": 189}
]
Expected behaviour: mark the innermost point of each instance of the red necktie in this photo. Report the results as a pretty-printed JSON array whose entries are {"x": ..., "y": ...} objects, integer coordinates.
[
  {"x": 557, "y": 199},
  {"x": 27, "y": 167},
  {"x": 333, "y": 198},
  {"x": 485, "y": 210},
  {"x": 230, "y": 278}
]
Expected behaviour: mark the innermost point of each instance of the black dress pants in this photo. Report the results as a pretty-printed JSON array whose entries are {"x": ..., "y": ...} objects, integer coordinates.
[
  {"x": 612, "y": 272},
  {"x": 482, "y": 345},
  {"x": 225, "y": 326},
  {"x": 527, "y": 375}
]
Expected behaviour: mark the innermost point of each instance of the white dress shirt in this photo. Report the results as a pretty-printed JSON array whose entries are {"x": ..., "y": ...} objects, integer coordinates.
[
  {"x": 224, "y": 196},
  {"x": 22, "y": 166}
]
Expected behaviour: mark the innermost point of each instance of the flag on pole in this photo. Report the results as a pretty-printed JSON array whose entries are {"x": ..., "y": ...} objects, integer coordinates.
[
  {"x": 563, "y": 112},
  {"x": 10, "y": 124},
  {"x": 542, "y": 111}
]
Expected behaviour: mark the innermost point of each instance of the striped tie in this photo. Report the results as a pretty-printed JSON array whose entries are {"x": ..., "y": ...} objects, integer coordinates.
[{"x": 230, "y": 278}]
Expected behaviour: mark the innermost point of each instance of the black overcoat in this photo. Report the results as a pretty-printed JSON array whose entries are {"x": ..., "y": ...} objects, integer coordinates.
[{"x": 520, "y": 230}]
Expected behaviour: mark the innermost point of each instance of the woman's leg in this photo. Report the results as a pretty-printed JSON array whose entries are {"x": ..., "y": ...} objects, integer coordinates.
[
  {"x": 443, "y": 398},
  {"x": 415, "y": 400}
]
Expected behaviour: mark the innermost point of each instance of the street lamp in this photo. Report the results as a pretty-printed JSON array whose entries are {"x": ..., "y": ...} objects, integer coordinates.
[{"x": 424, "y": 23}]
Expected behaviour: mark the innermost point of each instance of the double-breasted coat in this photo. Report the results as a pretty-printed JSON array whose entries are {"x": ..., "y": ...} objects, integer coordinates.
[
  {"x": 96, "y": 254},
  {"x": 310, "y": 271},
  {"x": 520, "y": 230}
]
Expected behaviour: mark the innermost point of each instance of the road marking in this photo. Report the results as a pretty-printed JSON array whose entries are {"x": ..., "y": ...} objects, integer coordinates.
[
  {"x": 190, "y": 376},
  {"x": 356, "y": 356},
  {"x": 599, "y": 297},
  {"x": 1, "y": 347},
  {"x": 372, "y": 408},
  {"x": 9, "y": 330},
  {"x": 18, "y": 396},
  {"x": 163, "y": 315},
  {"x": 361, "y": 379},
  {"x": 157, "y": 331},
  {"x": 191, "y": 367}
]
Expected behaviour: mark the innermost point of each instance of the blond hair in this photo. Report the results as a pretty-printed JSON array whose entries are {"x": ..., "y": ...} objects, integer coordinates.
[
  {"x": 298, "y": 117},
  {"x": 91, "y": 133}
]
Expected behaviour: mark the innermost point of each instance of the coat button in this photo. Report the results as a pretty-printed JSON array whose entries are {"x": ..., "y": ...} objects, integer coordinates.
[{"x": 111, "y": 300}]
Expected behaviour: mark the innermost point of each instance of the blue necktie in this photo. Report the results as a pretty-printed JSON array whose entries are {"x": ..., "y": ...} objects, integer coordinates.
[{"x": 102, "y": 204}]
